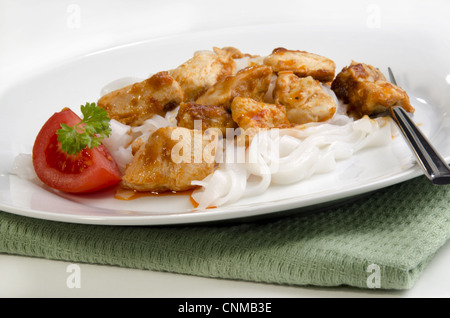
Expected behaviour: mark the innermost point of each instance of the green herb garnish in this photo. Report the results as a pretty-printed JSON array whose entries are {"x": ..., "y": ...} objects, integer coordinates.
[{"x": 90, "y": 132}]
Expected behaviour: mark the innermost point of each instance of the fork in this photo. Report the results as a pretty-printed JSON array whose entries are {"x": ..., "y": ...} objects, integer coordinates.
[{"x": 434, "y": 166}]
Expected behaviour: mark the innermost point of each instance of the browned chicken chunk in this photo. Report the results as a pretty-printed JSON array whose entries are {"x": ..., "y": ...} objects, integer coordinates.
[
  {"x": 366, "y": 91},
  {"x": 250, "y": 82},
  {"x": 133, "y": 104},
  {"x": 170, "y": 160},
  {"x": 251, "y": 114},
  {"x": 302, "y": 64},
  {"x": 203, "y": 70},
  {"x": 304, "y": 98},
  {"x": 210, "y": 116}
]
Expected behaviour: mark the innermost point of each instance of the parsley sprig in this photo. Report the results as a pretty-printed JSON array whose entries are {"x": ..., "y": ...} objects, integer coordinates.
[{"x": 90, "y": 132}]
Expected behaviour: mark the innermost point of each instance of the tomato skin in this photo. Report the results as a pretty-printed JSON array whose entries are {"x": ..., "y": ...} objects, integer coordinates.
[{"x": 89, "y": 171}]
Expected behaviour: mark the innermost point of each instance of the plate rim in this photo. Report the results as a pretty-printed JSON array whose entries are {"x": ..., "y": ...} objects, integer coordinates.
[{"x": 208, "y": 216}]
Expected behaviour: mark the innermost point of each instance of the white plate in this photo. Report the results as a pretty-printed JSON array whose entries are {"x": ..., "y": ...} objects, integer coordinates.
[{"x": 29, "y": 103}]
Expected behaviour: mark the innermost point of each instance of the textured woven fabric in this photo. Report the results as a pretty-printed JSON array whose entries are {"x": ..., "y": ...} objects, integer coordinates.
[{"x": 387, "y": 237}]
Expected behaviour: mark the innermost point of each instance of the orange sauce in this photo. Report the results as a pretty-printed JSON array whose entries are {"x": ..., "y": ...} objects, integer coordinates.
[
  {"x": 193, "y": 202},
  {"x": 127, "y": 195}
]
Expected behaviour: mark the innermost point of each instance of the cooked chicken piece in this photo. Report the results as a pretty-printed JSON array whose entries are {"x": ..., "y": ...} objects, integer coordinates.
[
  {"x": 210, "y": 116},
  {"x": 136, "y": 144},
  {"x": 248, "y": 114},
  {"x": 133, "y": 104},
  {"x": 170, "y": 160},
  {"x": 366, "y": 91},
  {"x": 250, "y": 82},
  {"x": 304, "y": 98},
  {"x": 203, "y": 70},
  {"x": 302, "y": 64}
]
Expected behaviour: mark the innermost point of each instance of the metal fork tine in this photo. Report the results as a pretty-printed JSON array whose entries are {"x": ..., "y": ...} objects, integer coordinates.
[{"x": 391, "y": 76}]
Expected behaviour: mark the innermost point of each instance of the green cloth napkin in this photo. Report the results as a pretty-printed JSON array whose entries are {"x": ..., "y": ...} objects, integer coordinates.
[{"x": 382, "y": 240}]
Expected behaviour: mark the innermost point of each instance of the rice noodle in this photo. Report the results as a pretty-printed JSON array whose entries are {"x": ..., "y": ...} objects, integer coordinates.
[
  {"x": 23, "y": 167},
  {"x": 119, "y": 143},
  {"x": 229, "y": 182}
]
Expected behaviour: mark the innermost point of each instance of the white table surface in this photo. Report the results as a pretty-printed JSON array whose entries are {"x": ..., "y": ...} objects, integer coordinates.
[{"x": 35, "y": 34}]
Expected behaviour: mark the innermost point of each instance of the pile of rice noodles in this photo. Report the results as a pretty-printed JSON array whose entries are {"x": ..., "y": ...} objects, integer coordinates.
[{"x": 274, "y": 156}]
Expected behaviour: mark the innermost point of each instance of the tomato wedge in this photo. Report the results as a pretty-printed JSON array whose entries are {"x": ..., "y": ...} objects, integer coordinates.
[{"x": 88, "y": 171}]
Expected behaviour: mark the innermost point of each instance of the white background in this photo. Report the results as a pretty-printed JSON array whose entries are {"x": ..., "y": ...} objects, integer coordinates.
[{"x": 37, "y": 34}]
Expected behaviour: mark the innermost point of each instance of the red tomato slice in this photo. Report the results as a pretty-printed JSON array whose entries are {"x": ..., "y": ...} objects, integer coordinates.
[{"x": 88, "y": 171}]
